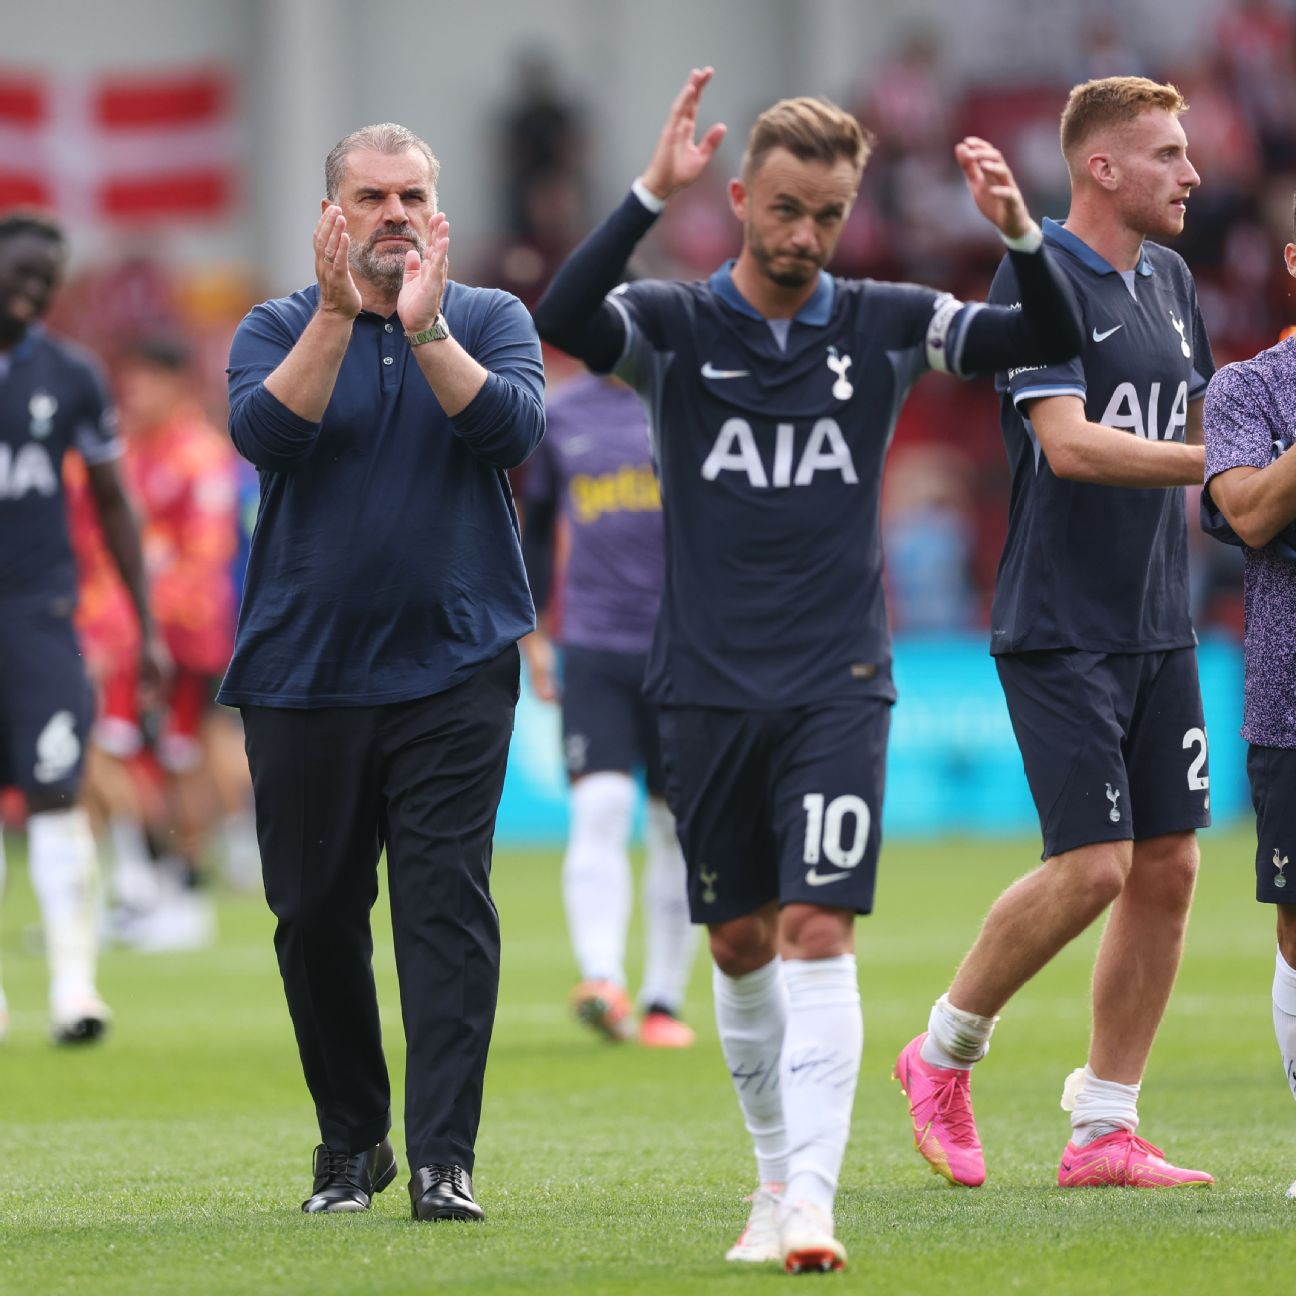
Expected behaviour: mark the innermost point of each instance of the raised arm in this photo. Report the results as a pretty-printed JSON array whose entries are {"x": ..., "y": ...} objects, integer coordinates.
[
  {"x": 573, "y": 313},
  {"x": 1046, "y": 329}
]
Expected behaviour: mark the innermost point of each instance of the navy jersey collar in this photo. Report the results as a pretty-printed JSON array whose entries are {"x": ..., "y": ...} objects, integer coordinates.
[
  {"x": 817, "y": 311},
  {"x": 1056, "y": 232}
]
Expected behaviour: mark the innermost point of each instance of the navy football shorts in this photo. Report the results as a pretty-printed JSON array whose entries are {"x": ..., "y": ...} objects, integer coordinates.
[
  {"x": 607, "y": 723},
  {"x": 1272, "y": 774},
  {"x": 1114, "y": 744},
  {"x": 777, "y": 805},
  {"x": 46, "y": 703}
]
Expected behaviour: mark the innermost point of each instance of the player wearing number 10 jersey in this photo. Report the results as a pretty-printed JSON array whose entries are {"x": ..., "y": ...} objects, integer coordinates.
[
  {"x": 1095, "y": 649},
  {"x": 772, "y": 391}
]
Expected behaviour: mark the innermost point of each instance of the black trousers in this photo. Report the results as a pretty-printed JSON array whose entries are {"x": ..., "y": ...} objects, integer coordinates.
[{"x": 333, "y": 785}]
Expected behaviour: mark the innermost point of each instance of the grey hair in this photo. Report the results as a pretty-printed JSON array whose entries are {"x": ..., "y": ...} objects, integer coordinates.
[{"x": 385, "y": 137}]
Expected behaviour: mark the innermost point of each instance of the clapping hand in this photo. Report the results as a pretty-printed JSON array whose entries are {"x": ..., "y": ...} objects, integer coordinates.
[
  {"x": 338, "y": 292},
  {"x": 425, "y": 278}
]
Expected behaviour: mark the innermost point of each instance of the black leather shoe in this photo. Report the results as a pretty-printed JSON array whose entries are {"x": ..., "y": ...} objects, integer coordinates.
[
  {"x": 348, "y": 1183},
  {"x": 443, "y": 1192}
]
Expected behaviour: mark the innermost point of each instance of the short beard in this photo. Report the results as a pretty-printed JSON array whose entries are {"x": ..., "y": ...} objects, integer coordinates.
[
  {"x": 794, "y": 278},
  {"x": 384, "y": 269}
]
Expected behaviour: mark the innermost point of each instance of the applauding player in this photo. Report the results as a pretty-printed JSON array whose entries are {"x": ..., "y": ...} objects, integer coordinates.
[{"x": 772, "y": 391}]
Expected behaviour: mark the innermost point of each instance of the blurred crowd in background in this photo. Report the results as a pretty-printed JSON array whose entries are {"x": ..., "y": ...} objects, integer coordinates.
[
  {"x": 163, "y": 332},
  {"x": 946, "y": 497},
  {"x": 946, "y": 490}
]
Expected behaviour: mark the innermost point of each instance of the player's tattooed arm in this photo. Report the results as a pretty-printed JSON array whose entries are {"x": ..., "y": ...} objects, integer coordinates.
[{"x": 1078, "y": 450}]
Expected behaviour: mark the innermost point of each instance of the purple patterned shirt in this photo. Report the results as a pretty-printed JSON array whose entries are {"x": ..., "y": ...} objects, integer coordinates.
[
  {"x": 595, "y": 460},
  {"x": 1250, "y": 405}
]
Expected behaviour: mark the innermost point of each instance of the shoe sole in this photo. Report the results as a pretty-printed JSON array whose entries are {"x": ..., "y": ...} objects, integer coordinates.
[
  {"x": 1155, "y": 1187},
  {"x": 813, "y": 1260},
  {"x": 939, "y": 1167},
  {"x": 450, "y": 1216}
]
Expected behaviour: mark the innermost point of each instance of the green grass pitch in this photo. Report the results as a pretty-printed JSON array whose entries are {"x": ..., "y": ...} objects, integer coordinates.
[{"x": 172, "y": 1158}]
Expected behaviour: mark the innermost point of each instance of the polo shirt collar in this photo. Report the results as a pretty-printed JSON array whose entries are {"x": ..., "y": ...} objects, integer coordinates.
[{"x": 817, "y": 311}]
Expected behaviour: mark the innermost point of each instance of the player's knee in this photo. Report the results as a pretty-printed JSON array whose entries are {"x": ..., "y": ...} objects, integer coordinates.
[
  {"x": 743, "y": 945},
  {"x": 1165, "y": 870},
  {"x": 1099, "y": 876},
  {"x": 809, "y": 932}
]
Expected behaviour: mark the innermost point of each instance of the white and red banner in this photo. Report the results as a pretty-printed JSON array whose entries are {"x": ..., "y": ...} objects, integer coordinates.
[{"x": 131, "y": 147}]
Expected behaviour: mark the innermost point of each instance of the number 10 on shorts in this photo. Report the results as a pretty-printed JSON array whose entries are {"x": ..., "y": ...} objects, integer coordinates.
[{"x": 838, "y": 831}]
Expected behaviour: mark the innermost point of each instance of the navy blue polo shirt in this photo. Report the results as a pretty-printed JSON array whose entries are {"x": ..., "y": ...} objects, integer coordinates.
[
  {"x": 53, "y": 398},
  {"x": 385, "y": 564},
  {"x": 769, "y": 439},
  {"x": 1102, "y": 568}
]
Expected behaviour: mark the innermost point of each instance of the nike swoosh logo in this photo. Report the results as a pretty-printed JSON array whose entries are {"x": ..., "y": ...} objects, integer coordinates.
[
  {"x": 1099, "y": 337},
  {"x": 710, "y": 371},
  {"x": 822, "y": 879}
]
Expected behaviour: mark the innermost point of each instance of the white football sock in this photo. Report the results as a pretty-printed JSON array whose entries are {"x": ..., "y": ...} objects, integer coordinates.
[
  {"x": 134, "y": 875},
  {"x": 1098, "y": 1107},
  {"x": 1284, "y": 1017},
  {"x": 668, "y": 935},
  {"x": 818, "y": 1071},
  {"x": 596, "y": 874},
  {"x": 751, "y": 1015},
  {"x": 65, "y": 876},
  {"x": 955, "y": 1038}
]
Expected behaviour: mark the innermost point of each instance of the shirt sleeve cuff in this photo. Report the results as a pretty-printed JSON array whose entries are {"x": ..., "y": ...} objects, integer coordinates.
[
  {"x": 647, "y": 197},
  {"x": 1031, "y": 241}
]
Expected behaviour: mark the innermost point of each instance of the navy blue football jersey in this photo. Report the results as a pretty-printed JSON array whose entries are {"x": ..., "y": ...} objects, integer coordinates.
[
  {"x": 1102, "y": 568},
  {"x": 52, "y": 399},
  {"x": 769, "y": 449}
]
